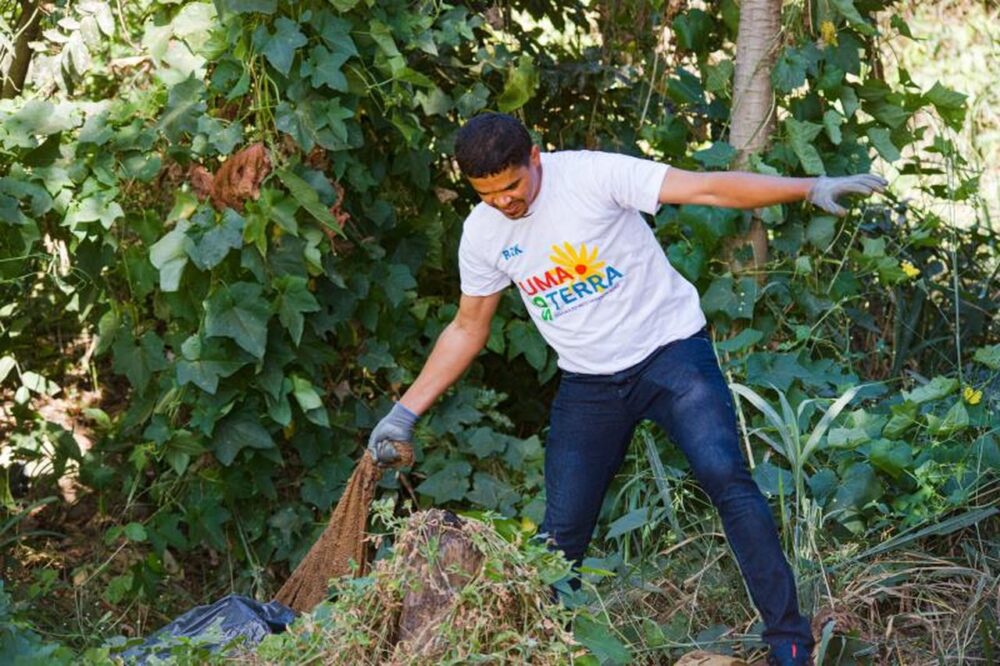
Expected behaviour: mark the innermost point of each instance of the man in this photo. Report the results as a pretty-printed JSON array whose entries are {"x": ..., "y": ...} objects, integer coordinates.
[{"x": 566, "y": 229}]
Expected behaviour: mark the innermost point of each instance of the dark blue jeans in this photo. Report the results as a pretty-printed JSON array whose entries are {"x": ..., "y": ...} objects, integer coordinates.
[{"x": 681, "y": 388}]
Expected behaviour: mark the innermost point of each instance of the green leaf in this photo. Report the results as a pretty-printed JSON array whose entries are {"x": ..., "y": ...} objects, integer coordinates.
[
  {"x": 789, "y": 70},
  {"x": 892, "y": 457},
  {"x": 949, "y": 104},
  {"x": 849, "y": 100},
  {"x": 692, "y": 29},
  {"x": 484, "y": 442},
  {"x": 597, "y": 637},
  {"x": 279, "y": 47},
  {"x": 988, "y": 356},
  {"x": 179, "y": 450},
  {"x": 305, "y": 394},
  {"x": 39, "y": 384},
  {"x": 205, "y": 360},
  {"x": 832, "y": 122},
  {"x": 7, "y": 363},
  {"x": 38, "y": 117},
  {"x": 239, "y": 312},
  {"x": 447, "y": 485},
  {"x": 720, "y": 77},
  {"x": 739, "y": 342},
  {"x": 248, "y": 6},
  {"x": 686, "y": 88},
  {"x": 523, "y": 338},
  {"x": 937, "y": 388},
  {"x": 293, "y": 300},
  {"x": 224, "y": 138},
  {"x": 858, "y": 487},
  {"x": 138, "y": 362},
  {"x": 210, "y": 241},
  {"x": 96, "y": 208},
  {"x": 41, "y": 200},
  {"x": 434, "y": 103},
  {"x": 237, "y": 431},
  {"x": 956, "y": 419},
  {"x": 396, "y": 282},
  {"x": 821, "y": 230},
  {"x": 735, "y": 299},
  {"x": 801, "y": 135},
  {"x": 849, "y": 12},
  {"x": 718, "y": 156},
  {"x": 382, "y": 35},
  {"x": 325, "y": 68},
  {"x": 376, "y": 356},
  {"x": 135, "y": 532},
  {"x": 709, "y": 224},
  {"x": 520, "y": 86},
  {"x": 688, "y": 259},
  {"x": 888, "y": 114},
  {"x": 169, "y": 256},
  {"x": 303, "y": 193},
  {"x": 879, "y": 138},
  {"x": 632, "y": 521},
  {"x": 773, "y": 481},
  {"x": 904, "y": 415},
  {"x": 473, "y": 100},
  {"x": 491, "y": 493},
  {"x": 822, "y": 484},
  {"x": 185, "y": 104}
]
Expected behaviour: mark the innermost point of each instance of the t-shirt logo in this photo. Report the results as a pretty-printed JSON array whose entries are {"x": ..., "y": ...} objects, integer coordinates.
[
  {"x": 577, "y": 279},
  {"x": 512, "y": 251}
]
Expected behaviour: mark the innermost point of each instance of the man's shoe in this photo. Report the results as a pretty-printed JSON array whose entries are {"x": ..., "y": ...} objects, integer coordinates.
[{"x": 790, "y": 654}]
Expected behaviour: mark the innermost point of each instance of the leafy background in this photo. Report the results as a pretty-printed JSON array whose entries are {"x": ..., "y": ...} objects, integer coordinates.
[{"x": 186, "y": 388}]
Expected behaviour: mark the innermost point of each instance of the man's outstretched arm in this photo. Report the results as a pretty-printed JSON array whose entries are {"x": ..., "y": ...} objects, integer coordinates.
[
  {"x": 738, "y": 189},
  {"x": 456, "y": 347}
]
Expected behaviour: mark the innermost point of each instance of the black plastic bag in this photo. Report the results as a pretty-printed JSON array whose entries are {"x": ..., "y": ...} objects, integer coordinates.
[{"x": 215, "y": 626}]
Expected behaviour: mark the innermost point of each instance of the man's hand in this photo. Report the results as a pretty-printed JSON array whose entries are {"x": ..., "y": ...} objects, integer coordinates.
[
  {"x": 396, "y": 426},
  {"x": 826, "y": 190}
]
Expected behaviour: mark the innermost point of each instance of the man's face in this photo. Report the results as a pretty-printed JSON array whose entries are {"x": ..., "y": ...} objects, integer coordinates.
[{"x": 512, "y": 190}]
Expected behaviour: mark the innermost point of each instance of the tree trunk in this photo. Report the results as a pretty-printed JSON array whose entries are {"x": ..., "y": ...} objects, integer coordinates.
[
  {"x": 753, "y": 104},
  {"x": 28, "y": 29}
]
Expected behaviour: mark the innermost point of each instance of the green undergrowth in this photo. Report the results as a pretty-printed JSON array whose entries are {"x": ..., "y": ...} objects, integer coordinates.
[{"x": 226, "y": 365}]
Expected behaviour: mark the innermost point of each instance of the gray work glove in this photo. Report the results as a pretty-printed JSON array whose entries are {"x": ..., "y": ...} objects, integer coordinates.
[
  {"x": 396, "y": 426},
  {"x": 826, "y": 190}
]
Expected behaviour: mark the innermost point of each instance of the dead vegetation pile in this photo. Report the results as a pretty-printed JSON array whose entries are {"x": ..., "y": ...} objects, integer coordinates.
[{"x": 452, "y": 591}]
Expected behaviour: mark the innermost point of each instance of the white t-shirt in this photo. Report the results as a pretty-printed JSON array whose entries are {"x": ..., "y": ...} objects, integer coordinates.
[{"x": 590, "y": 271}]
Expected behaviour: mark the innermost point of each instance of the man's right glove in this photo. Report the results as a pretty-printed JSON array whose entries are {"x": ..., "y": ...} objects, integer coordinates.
[
  {"x": 826, "y": 190},
  {"x": 396, "y": 426}
]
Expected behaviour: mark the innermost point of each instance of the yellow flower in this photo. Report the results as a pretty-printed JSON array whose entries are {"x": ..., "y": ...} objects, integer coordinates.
[
  {"x": 580, "y": 264},
  {"x": 528, "y": 526},
  {"x": 828, "y": 33},
  {"x": 971, "y": 395},
  {"x": 910, "y": 270}
]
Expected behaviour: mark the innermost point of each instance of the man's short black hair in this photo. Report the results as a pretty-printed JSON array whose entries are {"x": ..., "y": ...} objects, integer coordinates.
[{"x": 491, "y": 142}]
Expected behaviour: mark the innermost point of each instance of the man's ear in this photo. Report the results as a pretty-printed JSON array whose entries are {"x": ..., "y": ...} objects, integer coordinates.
[{"x": 536, "y": 156}]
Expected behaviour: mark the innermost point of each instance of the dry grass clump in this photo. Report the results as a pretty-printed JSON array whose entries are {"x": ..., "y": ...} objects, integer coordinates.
[{"x": 453, "y": 592}]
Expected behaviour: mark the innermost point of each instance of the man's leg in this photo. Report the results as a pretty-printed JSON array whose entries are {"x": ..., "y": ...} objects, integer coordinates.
[
  {"x": 684, "y": 391},
  {"x": 588, "y": 434}
]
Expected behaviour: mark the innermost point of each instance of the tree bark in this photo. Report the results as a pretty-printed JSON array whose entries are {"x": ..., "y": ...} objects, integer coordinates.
[
  {"x": 28, "y": 29},
  {"x": 752, "y": 124}
]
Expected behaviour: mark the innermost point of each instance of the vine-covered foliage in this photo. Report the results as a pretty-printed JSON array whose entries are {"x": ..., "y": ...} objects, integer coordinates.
[{"x": 265, "y": 314}]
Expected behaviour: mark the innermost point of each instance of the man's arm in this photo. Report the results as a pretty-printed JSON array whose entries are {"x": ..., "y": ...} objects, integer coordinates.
[
  {"x": 738, "y": 189},
  {"x": 456, "y": 347}
]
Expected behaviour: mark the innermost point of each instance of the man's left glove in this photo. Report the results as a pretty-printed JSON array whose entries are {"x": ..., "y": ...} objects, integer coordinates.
[
  {"x": 396, "y": 426},
  {"x": 826, "y": 190}
]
